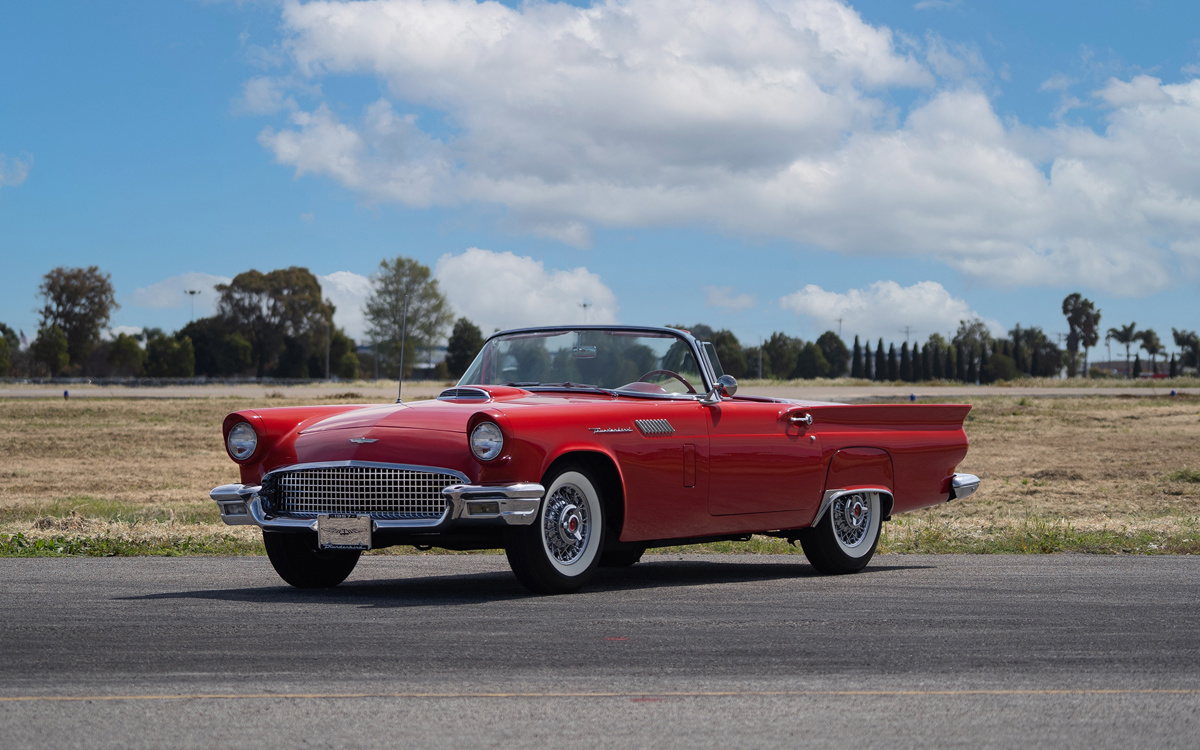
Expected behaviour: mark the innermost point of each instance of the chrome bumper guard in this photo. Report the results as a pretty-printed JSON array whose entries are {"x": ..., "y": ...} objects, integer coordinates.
[
  {"x": 466, "y": 505},
  {"x": 962, "y": 485}
]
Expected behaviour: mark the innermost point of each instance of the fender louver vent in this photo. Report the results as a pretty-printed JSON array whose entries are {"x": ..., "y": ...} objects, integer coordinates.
[
  {"x": 463, "y": 394},
  {"x": 654, "y": 427}
]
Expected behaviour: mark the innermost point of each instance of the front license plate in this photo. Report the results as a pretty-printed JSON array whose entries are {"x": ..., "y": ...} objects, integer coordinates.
[{"x": 343, "y": 531}]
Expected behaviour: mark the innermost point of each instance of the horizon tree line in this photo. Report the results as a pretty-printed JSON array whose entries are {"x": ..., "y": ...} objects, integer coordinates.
[{"x": 278, "y": 324}]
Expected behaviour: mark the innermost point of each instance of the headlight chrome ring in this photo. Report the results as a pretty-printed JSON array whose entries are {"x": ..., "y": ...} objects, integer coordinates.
[
  {"x": 486, "y": 441},
  {"x": 242, "y": 441}
]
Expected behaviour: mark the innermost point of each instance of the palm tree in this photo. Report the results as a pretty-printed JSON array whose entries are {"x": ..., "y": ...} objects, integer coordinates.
[
  {"x": 1152, "y": 346},
  {"x": 1124, "y": 335},
  {"x": 1189, "y": 347}
]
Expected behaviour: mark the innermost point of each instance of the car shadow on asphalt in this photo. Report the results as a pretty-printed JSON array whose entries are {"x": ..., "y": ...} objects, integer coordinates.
[{"x": 483, "y": 588}]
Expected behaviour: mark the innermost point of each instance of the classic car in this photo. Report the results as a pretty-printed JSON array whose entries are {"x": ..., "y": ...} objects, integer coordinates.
[{"x": 582, "y": 446}]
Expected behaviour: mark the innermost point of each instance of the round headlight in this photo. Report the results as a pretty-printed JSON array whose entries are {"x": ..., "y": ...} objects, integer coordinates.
[
  {"x": 242, "y": 441},
  {"x": 486, "y": 441}
]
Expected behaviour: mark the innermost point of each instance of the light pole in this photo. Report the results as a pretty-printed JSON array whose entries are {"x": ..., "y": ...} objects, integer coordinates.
[{"x": 191, "y": 293}]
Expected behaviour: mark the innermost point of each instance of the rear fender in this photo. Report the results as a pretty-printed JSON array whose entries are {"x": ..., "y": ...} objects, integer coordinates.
[{"x": 859, "y": 469}]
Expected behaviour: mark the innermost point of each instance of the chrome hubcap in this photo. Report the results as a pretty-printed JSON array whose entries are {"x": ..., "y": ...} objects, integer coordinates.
[
  {"x": 851, "y": 519},
  {"x": 566, "y": 524}
]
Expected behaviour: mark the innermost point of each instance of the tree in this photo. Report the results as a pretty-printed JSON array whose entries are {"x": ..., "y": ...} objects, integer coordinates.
[
  {"x": 1152, "y": 346},
  {"x": 835, "y": 353},
  {"x": 783, "y": 352},
  {"x": 4, "y": 357},
  {"x": 465, "y": 342},
  {"x": 1124, "y": 335},
  {"x": 125, "y": 355},
  {"x": 893, "y": 368},
  {"x": 906, "y": 369},
  {"x": 79, "y": 302},
  {"x": 811, "y": 363},
  {"x": 269, "y": 308},
  {"x": 880, "y": 362},
  {"x": 1189, "y": 347},
  {"x": 856, "y": 360},
  {"x": 50, "y": 348},
  {"x": 169, "y": 356},
  {"x": 1083, "y": 319},
  {"x": 1137, "y": 365},
  {"x": 428, "y": 313}
]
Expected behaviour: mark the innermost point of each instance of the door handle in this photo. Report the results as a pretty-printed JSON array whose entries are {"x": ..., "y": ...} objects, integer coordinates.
[{"x": 804, "y": 419}]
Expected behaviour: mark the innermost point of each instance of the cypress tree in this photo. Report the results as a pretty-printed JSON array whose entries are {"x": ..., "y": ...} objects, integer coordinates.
[
  {"x": 868, "y": 370},
  {"x": 984, "y": 375},
  {"x": 961, "y": 357},
  {"x": 938, "y": 360},
  {"x": 1174, "y": 371},
  {"x": 856, "y": 365},
  {"x": 1137, "y": 365},
  {"x": 905, "y": 363},
  {"x": 951, "y": 363},
  {"x": 893, "y": 367},
  {"x": 880, "y": 362},
  {"x": 972, "y": 371}
]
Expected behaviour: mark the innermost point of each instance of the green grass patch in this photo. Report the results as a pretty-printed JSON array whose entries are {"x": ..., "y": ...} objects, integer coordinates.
[
  {"x": 1186, "y": 474},
  {"x": 18, "y": 545}
]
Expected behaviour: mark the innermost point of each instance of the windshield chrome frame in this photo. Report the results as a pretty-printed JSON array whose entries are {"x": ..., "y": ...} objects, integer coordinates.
[{"x": 706, "y": 368}]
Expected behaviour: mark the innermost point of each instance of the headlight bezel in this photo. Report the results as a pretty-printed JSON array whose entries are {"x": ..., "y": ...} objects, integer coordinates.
[
  {"x": 238, "y": 434},
  {"x": 489, "y": 446}
]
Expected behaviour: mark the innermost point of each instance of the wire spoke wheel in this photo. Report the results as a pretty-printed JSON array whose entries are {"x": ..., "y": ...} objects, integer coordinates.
[
  {"x": 845, "y": 537},
  {"x": 558, "y": 553}
]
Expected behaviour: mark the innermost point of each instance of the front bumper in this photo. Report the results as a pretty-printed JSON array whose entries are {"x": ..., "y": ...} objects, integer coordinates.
[{"x": 467, "y": 505}]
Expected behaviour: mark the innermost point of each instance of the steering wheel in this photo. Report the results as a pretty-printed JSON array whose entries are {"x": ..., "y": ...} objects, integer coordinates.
[{"x": 671, "y": 373}]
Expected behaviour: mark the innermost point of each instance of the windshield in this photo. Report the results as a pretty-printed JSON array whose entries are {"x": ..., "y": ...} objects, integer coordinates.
[{"x": 632, "y": 361}]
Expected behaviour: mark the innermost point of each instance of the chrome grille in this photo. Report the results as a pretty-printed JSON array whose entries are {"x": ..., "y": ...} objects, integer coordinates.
[
  {"x": 654, "y": 427},
  {"x": 381, "y": 492}
]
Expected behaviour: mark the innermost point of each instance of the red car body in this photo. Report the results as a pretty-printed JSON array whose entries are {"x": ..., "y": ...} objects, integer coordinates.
[{"x": 669, "y": 469}]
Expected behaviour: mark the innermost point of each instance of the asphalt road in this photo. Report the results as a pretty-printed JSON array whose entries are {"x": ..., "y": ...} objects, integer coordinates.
[{"x": 678, "y": 651}]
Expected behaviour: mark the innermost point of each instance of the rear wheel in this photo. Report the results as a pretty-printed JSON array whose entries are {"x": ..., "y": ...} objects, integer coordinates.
[
  {"x": 560, "y": 551},
  {"x": 297, "y": 560},
  {"x": 845, "y": 538}
]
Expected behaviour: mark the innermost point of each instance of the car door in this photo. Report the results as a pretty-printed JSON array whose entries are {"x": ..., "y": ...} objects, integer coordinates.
[{"x": 762, "y": 458}]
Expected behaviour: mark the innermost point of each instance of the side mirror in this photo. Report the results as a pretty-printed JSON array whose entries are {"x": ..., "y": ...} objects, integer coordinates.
[{"x": 726, "y": 386}]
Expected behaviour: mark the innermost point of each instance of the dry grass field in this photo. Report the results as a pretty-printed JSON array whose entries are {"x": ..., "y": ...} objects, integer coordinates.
[{"x": 1104, "y": 474}]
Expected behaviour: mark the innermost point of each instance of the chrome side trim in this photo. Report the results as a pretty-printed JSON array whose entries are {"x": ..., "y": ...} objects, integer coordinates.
[
  {"x": 654, "y": 427},
  {"x": 963, "y": 485},
  {"x": 831, "y": 495}
]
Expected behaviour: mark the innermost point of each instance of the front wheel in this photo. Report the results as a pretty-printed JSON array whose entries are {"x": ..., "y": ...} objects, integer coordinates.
[
  {"x": 845, "y": 538},
  {"x": 297, "y": 560},
  {"x": 559, "y": 552}
]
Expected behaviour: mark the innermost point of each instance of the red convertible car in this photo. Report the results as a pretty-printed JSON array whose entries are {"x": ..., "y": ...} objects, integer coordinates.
[{"x": 582, "y": 446}]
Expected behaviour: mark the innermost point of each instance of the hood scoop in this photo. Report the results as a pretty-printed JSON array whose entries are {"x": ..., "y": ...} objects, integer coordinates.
[{"x": 465, "y": 394}]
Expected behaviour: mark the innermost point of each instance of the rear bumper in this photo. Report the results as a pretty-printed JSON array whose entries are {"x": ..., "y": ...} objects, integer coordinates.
[
  {"x": 962, "y": 485},
  {"x": 467, "y": 506}
]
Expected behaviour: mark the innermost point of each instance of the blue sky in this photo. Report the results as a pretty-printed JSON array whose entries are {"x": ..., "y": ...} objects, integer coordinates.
[{"x": 755, "y": 166}]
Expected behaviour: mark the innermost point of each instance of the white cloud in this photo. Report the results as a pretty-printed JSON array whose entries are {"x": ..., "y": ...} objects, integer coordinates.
[
  {"x": 13, "y": 171},
  {"x": 1140, "y": 90},
  {"x": 264, "y": 95},
  {"x": 348, "y": 292},
  {"x": 725, "y": 298},
  {"x": 172, "y": 293},
  {"x": 503, "y": 290},
  {"x": 883, "y": 309},
  {"x": 757, "y": 117}
]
